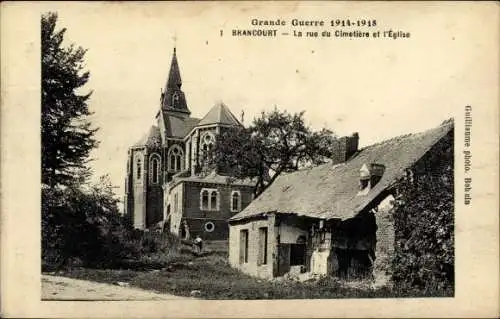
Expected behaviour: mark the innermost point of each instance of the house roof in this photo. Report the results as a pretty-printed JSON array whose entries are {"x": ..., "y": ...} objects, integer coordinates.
[
  {"x": 151, "y": 138},
  {"x": 178, "y": 125},
  {"x": 331, "y": 191},
  {"x": 219, "y": 114},
  {"x": 212, "y": 178}
]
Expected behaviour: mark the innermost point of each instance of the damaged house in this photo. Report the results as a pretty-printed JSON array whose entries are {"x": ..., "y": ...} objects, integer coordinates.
[{"x": 334, "y": 219}]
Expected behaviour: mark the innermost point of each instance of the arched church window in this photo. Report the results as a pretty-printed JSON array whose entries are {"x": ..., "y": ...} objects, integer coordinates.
[
  {"x": 207, "y": 144},
  {"x": 154, "y": 168},
  {"x": 175, "y": 156},
  {"x": 139, "y": 168},
  {"x": 175, "y": 99},
  {"x": 235, "y": 201}
]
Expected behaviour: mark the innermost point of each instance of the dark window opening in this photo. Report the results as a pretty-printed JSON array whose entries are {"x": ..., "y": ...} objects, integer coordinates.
[
  {"x": 175, "y": 99},
  {"x": 209, "y": 227},
  {"x": 297, "y": 254},
  {"x": 205, "y": 152},
  {"x": 213, "y": 200},
  {"x": 204, "y": 200},
  {"x": 178, "y": 162},
  {"x": 139, "y": 168},
  {"x": 183, "y": 232},
  {"x": 354, "y": 263},
  {"x": 235, "y": 204},
  {"x": 155, "y": 170},
  {"x": 243, "y": 246},
  {"x": 363, "y": 183},
  {"x": 262, "y": 246}
]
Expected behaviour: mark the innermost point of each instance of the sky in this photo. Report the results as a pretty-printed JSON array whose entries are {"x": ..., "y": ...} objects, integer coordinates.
[{"x": 379, "y": 88}]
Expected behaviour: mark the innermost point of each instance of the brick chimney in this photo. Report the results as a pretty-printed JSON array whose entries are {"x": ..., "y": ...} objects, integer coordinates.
[{"x": 344, "y": 147}]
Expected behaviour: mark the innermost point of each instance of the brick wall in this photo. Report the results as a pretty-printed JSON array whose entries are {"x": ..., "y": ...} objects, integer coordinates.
[
  {"x": 192, "y": 200},
  {"x": 197, "y": 218},
  {"x": 384, "y": 251},
  {"x": 344, "y": 147}
]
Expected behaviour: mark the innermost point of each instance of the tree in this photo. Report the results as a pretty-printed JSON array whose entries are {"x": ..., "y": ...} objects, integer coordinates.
[
  {"x": 83, "y": 223},
  {"x": 275, "y": 143},
  {"x": 79, "y": 220},
  {"x": 67, "y": 135},
  {"x": 424, "y": 223}
]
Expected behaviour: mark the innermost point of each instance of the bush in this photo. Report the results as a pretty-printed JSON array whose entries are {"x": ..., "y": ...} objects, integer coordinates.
[{"x": 83, "y": 225}]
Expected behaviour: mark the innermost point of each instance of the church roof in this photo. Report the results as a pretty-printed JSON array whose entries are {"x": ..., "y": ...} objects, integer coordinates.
[
  {"x": 219, "y": 114},
  {"x": 151, "y": 138},
  {"x": 172, "y": 97},
  {"x": 178, "y": 126},
  {"x": 331, "y": 191},
  {"x": 174, "y": 76}
]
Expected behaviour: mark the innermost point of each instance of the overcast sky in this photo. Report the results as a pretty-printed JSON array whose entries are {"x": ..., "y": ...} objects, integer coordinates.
[{"x": 377, "y": 87}]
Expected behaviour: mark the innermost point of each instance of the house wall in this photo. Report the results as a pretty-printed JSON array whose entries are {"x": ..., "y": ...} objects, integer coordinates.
[
  {"x": 251, "y": 267},
  {"x": 289, "y": 233},
  {"x": 197, "y": 217},
  {"x": 190, "y": 212},
  {"x": 279, "y": 240}
]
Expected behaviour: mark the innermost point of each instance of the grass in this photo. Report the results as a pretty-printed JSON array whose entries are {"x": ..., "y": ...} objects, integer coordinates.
[{"x": 181, "y": 273}]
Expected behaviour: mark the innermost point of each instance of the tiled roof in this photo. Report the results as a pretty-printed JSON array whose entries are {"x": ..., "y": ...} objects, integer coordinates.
[
  {"x": 219, "y": 114},
  {"x": 213, "y": 178},
  {"x": 178, "y": 126},
  {"x": 151, "y": 138},
  {"x": 331, "y": 191}
]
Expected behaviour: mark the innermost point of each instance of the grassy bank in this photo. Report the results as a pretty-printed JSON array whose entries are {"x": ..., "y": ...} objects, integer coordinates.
[{"x": 214, "y": 279}]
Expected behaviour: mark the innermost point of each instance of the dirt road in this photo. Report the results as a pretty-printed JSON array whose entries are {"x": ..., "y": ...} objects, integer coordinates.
[{"x": 62, "y": 288}]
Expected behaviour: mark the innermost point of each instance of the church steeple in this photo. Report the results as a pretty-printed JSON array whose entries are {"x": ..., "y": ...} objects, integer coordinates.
[
  {"x": 172, "y": 97},
  {"x": 174, "y": 77}
]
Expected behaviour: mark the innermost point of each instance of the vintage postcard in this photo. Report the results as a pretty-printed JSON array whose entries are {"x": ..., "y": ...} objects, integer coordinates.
[{"x": 250, "y": 159}]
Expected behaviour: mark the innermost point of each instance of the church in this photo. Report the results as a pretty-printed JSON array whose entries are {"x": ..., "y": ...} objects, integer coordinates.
[{"x": 167, "y": 184}]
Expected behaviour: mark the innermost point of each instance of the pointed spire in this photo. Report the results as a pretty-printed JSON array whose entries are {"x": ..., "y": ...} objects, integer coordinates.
[
  {"x": 172, "y": 98},
  {"x": 174, "y": 77}
]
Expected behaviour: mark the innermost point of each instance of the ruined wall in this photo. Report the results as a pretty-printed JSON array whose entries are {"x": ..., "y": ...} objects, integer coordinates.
[
  {"x": 321, "y": 255},
  {"x": 175, "y": 214},
  {"x": 384, "y": 251},
  {"x": 251, "y": 267},
  {"x": 289, "y": 233}
]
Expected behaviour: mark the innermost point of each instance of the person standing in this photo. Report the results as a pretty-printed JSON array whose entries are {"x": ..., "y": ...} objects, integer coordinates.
[{"x": 198, "y": 242}]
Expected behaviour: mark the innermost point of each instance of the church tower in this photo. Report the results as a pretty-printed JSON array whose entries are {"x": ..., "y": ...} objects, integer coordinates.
[
  {"x": 168, "y": 186},
  {"x": 172, "y": 97}
]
